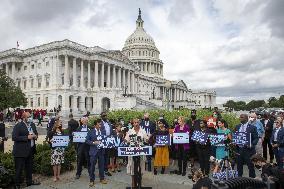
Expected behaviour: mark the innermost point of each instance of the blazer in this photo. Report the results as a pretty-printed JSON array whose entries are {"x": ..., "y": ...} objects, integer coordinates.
[
  {"x": 151, "y": 128},
  {"x": 36, "y": 133},
  {"x": 91, "y": 137},
  {"x": 280, "y": 137},
  {"x": 268, "y": 128},
  {"x": 254, "y": 136},
  {"x": 22, "y": 145},
  {"x": 82, "y": 146}
]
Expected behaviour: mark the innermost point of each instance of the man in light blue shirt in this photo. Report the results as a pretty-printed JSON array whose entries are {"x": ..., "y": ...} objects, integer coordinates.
[{"x": 260, "y": 131}]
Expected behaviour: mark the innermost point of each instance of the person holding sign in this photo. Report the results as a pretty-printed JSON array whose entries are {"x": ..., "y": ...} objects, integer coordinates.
[
  {"x": 221, "y": 151},
  {"x": 96, "y": 153},
  {"x": 57, "y": 153},
  {"x": 203, "y": 149},
  {"x": 162, "y": 152},
  {"x": 143, "y": 137},
  {"x": 246, "y": 151},
  {"x": 182, "y": 149},
  {"x": 82, "y": 148}
]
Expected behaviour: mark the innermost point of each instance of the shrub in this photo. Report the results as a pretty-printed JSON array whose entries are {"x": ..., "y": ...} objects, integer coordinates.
[{"x": 7, "y": 170}]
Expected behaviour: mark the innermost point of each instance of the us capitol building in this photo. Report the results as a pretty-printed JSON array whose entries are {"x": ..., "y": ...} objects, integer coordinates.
[{"x": 79, "y": 78}]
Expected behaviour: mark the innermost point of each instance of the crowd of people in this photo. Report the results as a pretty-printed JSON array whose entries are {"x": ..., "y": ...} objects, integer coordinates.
[{"x": 267, "y": 132}]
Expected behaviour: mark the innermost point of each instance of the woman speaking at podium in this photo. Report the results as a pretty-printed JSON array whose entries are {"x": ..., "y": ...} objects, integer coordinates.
[{"x": 136, "y": 138}]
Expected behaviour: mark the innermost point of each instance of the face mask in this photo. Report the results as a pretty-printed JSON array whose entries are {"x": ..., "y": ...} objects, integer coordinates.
[
  {"x": 30, "y": 120},
  {"x": 146, "y": 119},
  {"x": 215, "y": 115},
  {"x": 257, "y": 166}
]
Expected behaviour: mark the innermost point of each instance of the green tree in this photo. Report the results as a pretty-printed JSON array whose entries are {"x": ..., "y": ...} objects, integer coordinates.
[
  {"x": 230, "y": 104},
  {"x": 273, "y": 102},
  {"x": 11, "y": 96}
]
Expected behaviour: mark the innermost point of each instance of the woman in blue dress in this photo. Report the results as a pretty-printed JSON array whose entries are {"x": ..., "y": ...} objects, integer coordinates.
[{"x": 221, "y": 152}]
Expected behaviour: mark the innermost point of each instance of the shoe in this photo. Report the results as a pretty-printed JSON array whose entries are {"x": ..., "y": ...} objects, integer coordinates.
[
  {"x": 118, "y": 170},
  {"x": 77, "y": 176},
  {"x": 91, "y": 184},
  {"x": 108, "y": 173},
  {"x": 184, "y": 173},
  {"x": 33, "y": 183},
  {"x": 155, "y": 171},
  {"x": 103, "y": 181},
  {"x": 178, "y": 173},
  {"x": 55, "y": 179}
]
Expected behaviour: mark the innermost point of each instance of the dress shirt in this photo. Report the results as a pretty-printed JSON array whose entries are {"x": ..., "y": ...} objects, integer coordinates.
[
  {"x": 243, "y": 127},
  {"x": 107, "y": 128},
  {"x": 84, "y": 128},
  {"x": 276, "y": 133}
]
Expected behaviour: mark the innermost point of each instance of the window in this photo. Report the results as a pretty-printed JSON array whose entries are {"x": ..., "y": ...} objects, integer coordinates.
[
  {"x": 25, "y": 67},
  {"x": 32, "y": 102},
  {"x": 47, "y": 64},
  {"x": 39, "y": 65},
  {"x": 39, "y": 83},
  {"x": 19, "y": 69},
  {"x": 47, "y": 82},
  {"x": 25, "y": 84},
  {"x": 38, "y": 101},
  {"x": 46, "y": 101},
  {"x": 33, "y": 66},
  {"x": 32, "y": 83}
]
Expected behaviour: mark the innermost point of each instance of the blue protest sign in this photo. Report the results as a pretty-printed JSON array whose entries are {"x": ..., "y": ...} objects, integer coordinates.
[
  {"x": 163, "y": 140},
  {"x": 200, "y": 137},
  {"x": 79, "y": 137},
  {"x": 108, "y": 142},
  {"x": 60, "y": 141},
  {"x": 134, "y": 151},
  {"x": 217, "y": 139},
  {"x": 241, "y": 139}
]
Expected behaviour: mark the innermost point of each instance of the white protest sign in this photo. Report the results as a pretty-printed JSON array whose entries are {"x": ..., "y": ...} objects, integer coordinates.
[
  {"x": 60, "y": 141},
  {"x": 180, "y": 138},
  {"x": 79, "y": 137}
]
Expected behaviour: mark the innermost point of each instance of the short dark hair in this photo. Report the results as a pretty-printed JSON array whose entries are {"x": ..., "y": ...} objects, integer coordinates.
[
  {"x": 257, "y": 157},
  {"x": 96, "y": 121}
]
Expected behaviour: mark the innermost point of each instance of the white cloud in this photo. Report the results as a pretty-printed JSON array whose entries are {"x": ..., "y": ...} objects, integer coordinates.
[{"x": 233, "y": 46}]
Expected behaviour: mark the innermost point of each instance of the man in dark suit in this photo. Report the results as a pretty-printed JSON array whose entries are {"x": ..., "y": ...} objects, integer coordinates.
[
  {"x": 107, "y": 127},
  {"x": 150, "y": 128},
  {"x": 277, "y": 141},
  {"x": 82, "y": 149},
  {"x": 268, "y": 127},
  {"x": 22, "y": 150},
  {"x": 2, "y": 134},
  {"x": 96, "y": 153},
  {"x": 72, "y": 126},
  {"x": 246, "y": 151}
]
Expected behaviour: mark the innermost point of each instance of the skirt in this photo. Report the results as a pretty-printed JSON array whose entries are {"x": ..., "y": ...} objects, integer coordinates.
[
  {"x": 57, "y": 156},
  {"x": 162, "y": 158}
]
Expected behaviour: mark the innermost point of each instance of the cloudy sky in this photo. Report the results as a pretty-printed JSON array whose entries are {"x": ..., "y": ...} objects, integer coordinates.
[{"x": 233, "y": 46}]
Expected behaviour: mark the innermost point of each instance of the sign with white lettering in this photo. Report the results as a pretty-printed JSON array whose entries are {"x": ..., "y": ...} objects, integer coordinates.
[
  {"x": 163, "y": 140},
  {"x": 217, "y": 139},
  {"x": 180, "y": 138},
  {"x": 135, "y": 151},
  {"x": 241, "y": 139},
  {"x": 108, "y": 142},
  {"x": 200, "y": 137},
  {"x": 60, "y": 141}
]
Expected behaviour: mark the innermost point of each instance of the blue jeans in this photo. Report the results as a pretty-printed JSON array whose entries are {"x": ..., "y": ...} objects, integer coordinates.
[{"x": 93, "y": 161}]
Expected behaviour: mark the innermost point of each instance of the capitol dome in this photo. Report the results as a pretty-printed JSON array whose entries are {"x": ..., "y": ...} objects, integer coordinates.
[{"x": 140, "y": 48}]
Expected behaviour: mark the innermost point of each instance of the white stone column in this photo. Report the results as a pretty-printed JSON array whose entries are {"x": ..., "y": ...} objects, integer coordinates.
[
  {"x": 88, "y": 104},
  {"x": 132, "y": 83},
  {"x": 119, "y": 84},
  {"x": 82, "y": 103},
  {"x": 7, "y": 69},
  {"x": 102, "y": 75},
  {"x": 96, "y": 74},
  {"x": 74, "y": 72},
  {"x": 128, "y": 82},
  {"x": 13, "y": 70},
  {"x": 82, "y": 75},
  {"x": 74, "y": 104},
  {"x": 108, "y": 76},
  {"x": 123, "y": 78},
  {"x": 150, "y": 68},
  {"x": 66, "y": 72},
  {"x": 89, "y": 75},
  {"x": 113, "y": 77},
  {"x": 137, "y": 85}
]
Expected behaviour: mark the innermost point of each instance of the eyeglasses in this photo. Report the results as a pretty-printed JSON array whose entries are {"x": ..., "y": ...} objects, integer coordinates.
[
  {"x": 277, "y": 122},
  {"x": 135, "y": 122}
]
